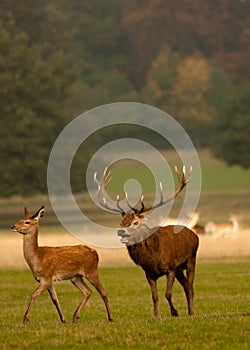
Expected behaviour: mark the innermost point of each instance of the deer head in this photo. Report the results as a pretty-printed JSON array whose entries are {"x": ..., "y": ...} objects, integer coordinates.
[
  {"x": 133, "y": 227},
  {"x": 26, "y": 225}
]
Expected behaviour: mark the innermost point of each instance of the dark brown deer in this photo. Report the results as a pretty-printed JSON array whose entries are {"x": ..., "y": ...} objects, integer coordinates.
[
  {"x": 159, "y": 251},
  {"x": 54, "y": 264}
]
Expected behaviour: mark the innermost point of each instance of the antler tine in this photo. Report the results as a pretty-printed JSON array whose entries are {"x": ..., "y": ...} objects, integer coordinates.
[
  {"x": 182, "y": 177},
  {"x": 183, "y": 180},
  {"x": 118, "y": 204},
  {"x": 137, "y": 211},
  {"x": 126, "y": 197},
  {"x": 102, "y": 185},
  {"x": 161, "y": 193},
  {"x": 129, "y": 205},
  {"x": 95, "y": 179},
  {"x": 105, "y": 204},
  {"x": 142, "y": 205},
  {"x": 106, "y": 177},
  {"x": 190, "y": 173}
]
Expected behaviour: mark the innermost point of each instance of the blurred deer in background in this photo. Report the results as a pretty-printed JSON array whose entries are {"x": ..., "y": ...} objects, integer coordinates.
[
  {"x": 230, "y": 228},
  {"x": 54, "y": 264},
  {"x": 159, "y": 250}
]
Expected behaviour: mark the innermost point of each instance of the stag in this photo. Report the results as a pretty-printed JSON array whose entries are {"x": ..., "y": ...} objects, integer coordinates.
[
  {"x": 54, "y": 264},
  {"x": 160, "y": 251}
]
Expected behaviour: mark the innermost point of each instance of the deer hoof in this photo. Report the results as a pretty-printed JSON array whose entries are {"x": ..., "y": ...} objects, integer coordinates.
[
  {"x": 75, "y": 319},
  {"x": 25, "y": 320},
  {"x": 174, "y": 313}
]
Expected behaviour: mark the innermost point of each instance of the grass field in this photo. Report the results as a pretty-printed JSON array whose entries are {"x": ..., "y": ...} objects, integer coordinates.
[
  {"x": 221, "y": 302},
  {"x": 222, "y": 298}
]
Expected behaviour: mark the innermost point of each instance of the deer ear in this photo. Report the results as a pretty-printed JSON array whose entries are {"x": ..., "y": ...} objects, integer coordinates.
[
  {"x": 39, "y": 214},
  {"x": 27, "y": 212}
]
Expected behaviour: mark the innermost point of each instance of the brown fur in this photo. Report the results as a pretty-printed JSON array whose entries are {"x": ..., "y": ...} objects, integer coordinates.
[
  {"x": 53, "y": 264},
  {"x": 163, "y": 252},
  {"x": 160, "y": 250}
]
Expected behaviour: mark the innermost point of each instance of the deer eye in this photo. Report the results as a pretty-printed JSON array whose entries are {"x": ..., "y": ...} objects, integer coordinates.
[
  {"x": 27, "y": 222},
  {"x": 136, "y": 223}
]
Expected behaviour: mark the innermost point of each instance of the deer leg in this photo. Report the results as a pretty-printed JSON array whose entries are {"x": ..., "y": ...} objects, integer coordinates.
[
  {"x": 190, "y": 280},
  {"x": 170, "y": 282},
  {"x": 86, "y": 291},
  {"x": 95, "y": 281},
  {"x": 54, "y": 298},
  {"x": 153, "y": 286},
  {"x": 41, "y": 288},
  {"x": 188, "y": 291}
]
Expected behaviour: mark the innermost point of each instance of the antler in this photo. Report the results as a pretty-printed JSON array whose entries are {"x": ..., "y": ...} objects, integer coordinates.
[
  {"x": 102, "y": 185},
  {"x": 183, "y": 180},
  {"x": 137, "y": 211}
]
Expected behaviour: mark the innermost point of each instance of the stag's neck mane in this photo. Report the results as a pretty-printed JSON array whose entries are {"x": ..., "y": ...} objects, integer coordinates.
[{"x": 142, "y": 252}]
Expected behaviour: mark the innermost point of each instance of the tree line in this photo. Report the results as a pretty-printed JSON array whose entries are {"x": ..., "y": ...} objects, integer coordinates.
[{"x": 60, "y": 58}]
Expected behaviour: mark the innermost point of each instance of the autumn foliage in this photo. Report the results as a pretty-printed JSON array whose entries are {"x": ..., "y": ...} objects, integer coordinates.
[{"x": 61, "y": 58}]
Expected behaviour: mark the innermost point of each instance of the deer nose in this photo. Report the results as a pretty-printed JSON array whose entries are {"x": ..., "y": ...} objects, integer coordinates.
[
  {"x": 120, "y": 232},
  {"x": 13, "y": 227}
]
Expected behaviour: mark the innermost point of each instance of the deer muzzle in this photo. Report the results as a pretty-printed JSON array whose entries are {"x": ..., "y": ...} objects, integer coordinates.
[{"x": 124, "y": 235}]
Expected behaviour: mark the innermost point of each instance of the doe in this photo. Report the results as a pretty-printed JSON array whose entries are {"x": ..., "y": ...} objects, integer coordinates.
[{"x": 52, "y": 264}]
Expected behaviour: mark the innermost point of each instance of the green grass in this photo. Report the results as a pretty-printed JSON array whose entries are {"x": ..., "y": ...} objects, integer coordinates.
[
  {"x": 221, "y": 303},
  {"x": 222, "y": 295}
]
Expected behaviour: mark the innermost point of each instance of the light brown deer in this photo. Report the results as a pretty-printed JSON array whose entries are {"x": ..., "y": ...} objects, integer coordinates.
[
  {"x": 54, "y": 264},
  {"x": 159, "y": 250},
  {"x": 229, "y": 228}
]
